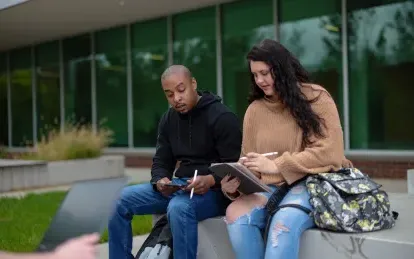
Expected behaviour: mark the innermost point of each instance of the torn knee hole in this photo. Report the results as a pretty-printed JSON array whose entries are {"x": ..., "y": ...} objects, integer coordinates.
[
  {"x": 278, "y": 229},
  {"x": 238, "y": 216},
  {"x": 231, "y": 220},
  {"x": 234, "y": 217}
]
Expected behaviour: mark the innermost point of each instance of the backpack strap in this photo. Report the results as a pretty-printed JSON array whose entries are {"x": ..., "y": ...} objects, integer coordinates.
[
  {"x": 272, "y": 205},
  {"x": 276, "y": 198},
  {"x": 297, "y": 206}
]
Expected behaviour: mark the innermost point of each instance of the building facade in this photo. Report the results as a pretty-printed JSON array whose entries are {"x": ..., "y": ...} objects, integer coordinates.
[{"x": 361, "y": 51}]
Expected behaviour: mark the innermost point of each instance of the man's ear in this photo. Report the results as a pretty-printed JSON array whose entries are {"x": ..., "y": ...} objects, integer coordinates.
[{"x": 194, "y": 83}]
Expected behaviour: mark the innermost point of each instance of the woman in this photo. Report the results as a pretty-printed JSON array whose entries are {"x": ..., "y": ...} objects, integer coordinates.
[{"x": 298, "y": 120}]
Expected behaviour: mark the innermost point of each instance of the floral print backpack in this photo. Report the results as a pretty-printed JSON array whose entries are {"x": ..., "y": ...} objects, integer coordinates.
[{"x": 349, "y": 201}]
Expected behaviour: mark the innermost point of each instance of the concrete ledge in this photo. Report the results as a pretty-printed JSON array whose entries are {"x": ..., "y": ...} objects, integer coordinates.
[
  {"x": 20, "y": 175},
  {"x": 8, "y": 163},
  {"x": 67, "y": 172},
  {"x": 398, "y": 242}
]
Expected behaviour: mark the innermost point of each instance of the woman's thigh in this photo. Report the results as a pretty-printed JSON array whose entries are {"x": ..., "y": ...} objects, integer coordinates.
[
  {"x": 298, "y": 195},
  {"x": 288, "y": 224}
]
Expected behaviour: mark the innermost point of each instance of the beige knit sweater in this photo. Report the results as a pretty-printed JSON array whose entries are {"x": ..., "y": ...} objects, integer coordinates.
[{"x": 269, "y": 126}]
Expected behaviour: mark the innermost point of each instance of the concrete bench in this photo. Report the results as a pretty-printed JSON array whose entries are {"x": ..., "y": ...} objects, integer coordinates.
[{"x": 213, "y": 242}]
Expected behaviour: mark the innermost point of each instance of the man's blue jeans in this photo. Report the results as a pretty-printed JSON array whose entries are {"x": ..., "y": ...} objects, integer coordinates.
[{"x": 183, "y": 215}]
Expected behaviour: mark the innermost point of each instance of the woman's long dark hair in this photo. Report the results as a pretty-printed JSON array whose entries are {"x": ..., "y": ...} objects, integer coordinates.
[{"x": 288, "y": 74}]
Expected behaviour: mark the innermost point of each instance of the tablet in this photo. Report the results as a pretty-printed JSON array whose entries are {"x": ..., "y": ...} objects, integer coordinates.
[{"x": 249, "y": 183}]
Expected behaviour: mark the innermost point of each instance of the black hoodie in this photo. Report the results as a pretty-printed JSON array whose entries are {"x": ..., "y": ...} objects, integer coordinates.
[{"x": 209, "y": 133}]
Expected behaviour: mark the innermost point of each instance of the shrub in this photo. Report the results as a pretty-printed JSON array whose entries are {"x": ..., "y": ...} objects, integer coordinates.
[
  {"x": 3, "y": 153},
  {"x": 75, "y": 142}
]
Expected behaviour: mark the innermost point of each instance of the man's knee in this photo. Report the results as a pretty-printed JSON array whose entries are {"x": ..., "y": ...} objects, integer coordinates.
[
  {"x": 131, "y": 196},
  {"x": 122, "y": 207},
  {"x": 178, "y": 207}
]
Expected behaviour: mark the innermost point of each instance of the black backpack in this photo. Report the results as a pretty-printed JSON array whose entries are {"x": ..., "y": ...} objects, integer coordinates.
[{"x": 159, "y": 242}]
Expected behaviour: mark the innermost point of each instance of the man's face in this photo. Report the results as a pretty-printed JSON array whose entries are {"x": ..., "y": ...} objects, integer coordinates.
[{"x": 180, "y": 91}]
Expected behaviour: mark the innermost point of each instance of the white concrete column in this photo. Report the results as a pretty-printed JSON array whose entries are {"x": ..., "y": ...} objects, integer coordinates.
[{"x": 410, "y": 181}]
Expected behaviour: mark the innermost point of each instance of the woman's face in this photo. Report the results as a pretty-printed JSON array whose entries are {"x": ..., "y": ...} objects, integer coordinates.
[{"x": 263, "y": 77}]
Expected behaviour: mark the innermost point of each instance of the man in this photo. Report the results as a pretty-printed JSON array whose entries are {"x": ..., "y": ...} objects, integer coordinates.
[
  {"x": 83, "y": 247},
  {"x": 196, "y": 131}
]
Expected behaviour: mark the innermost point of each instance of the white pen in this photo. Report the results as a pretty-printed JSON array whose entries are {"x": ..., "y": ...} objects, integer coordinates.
[
  {"x": 265, "y": 154},
  {"x": 192, "y": 189}
]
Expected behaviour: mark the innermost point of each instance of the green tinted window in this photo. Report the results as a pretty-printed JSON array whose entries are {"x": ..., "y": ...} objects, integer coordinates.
[
  {"x": 381, "y": 63},
  {"x": 4, "y": 138},
  {"x": 195, "y": 45},
  {"x": 313, "y": 34},
  {"x": 77, "y": 63},
  {"x": 111, "y": 83},
  {"x": 245, "y": 23},
  {"x": 149, "y": 60},
  {"x": 47, "y": 87},
  {"x": 21, "y": 97}
]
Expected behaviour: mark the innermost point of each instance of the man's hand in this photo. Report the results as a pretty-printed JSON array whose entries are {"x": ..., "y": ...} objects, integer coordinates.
[
  {"x": 202, "y": 184},
  {"x": 83, "y": 247},
  {"x": 166, "y": 190}
]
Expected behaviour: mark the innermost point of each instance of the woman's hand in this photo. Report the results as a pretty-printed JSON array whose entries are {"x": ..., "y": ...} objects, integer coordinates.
[
  {"x": 230, "y": 186},
  {"x": 260, "y": 163}
]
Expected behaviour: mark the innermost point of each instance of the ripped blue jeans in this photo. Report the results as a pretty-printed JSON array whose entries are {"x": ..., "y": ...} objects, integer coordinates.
[{"x": 286, "y": 228}]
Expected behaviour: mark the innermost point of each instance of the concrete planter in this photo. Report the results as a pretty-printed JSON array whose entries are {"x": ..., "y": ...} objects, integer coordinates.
[
  {"x": 66, "y": 172},
  {"x": 19, "y": 174}
]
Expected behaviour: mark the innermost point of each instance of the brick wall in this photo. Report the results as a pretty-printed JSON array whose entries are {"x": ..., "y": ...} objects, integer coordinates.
[
  {"x": 384, "y": 169},
  {"x": 138, "y": 161},
  {"x": 374, "y": 168}
]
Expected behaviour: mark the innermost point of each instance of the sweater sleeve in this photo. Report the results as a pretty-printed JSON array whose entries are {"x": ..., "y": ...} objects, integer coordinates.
[
  {"x": 248, "y": 144},
  {"x": 323, "y": 154}
]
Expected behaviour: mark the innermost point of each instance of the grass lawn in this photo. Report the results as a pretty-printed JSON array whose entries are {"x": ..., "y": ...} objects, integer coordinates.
[{"x": 23, "y": 221}]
